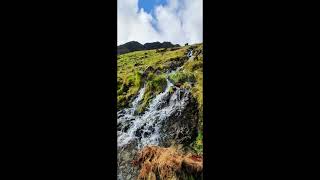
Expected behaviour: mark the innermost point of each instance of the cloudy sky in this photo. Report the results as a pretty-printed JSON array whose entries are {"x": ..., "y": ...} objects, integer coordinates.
[{"x": 177, "y": 21}]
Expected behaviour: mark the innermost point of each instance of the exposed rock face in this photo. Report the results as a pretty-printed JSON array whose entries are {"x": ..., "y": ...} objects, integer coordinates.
[
  {"x": 126, "y": 170},
  {"x": 180, "y": 127},
  {"x": 174, "y": 63}
]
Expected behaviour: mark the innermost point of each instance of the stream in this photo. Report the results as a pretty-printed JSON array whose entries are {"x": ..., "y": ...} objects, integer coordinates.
[{"x": 135, "y": 131}]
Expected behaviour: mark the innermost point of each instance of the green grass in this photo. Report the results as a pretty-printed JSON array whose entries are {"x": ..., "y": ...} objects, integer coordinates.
[
  {"x": 181, "y": 77},
  {"x": 132, "y": 65},
  {"x": 154, "y": 86},
  {"x": 130, "y": 79}
]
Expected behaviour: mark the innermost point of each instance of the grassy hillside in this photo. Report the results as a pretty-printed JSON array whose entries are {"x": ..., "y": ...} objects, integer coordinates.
[{"x": 149, "y": 67}]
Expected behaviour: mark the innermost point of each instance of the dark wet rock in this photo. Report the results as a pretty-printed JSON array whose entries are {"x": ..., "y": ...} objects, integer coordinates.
[
  {"x": 158, "y": 72},
  {"x": 125, "y": 157},
  {"x": 172, "y": 65},
  {"x": 125, "y": 129},
  {"x": 137, "y": 64},
  {"x": 149, "y": 69},
  {"x": 138, "y": 133},
  {"x": 178, "y": 84},
  {"x": 181, "y": 127}
]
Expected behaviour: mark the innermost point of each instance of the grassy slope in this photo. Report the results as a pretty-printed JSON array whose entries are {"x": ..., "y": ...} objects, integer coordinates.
[{"x": 131, "y": 67}]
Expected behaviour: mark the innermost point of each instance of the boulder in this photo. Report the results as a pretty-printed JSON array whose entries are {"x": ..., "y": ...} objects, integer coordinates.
[{"x": 181, "y": 126}]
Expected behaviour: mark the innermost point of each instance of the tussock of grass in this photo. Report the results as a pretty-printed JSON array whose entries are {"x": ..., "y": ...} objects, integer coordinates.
[
  {"x": 156, "y": 84},
  {"x": 168, "y": 163},
  {"x": 181, "y": 77}
]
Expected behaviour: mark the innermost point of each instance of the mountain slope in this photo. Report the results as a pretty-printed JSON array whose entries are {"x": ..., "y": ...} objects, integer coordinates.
[{"x": 159, "y": 95}]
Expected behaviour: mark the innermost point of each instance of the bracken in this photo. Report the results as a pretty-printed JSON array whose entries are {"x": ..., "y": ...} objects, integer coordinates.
[{"x": 168, "y": 163}]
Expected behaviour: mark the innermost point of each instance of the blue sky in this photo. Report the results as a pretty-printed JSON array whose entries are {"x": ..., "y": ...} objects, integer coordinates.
[
  {"x": 177, "y": 21},
  {"x": 148, "y": 5}
]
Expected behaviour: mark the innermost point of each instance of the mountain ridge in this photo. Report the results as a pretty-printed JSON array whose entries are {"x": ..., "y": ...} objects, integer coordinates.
[{"x": 136, "y": 46}]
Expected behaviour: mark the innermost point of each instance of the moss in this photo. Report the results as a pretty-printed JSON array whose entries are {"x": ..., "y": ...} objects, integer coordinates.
[
  {"x": 194, "y": 65},
  {"x": 138, "y": 79},
  {"x": 171, "y": 90},
  {"x": 147, "y": 97},
  {"x": 154, "y": 86},
  {"x": 198, "y": 144},
  {"x": 128, "y": 86},
  {"x": 181, "y": 77},
  {"x": 186, "y": 85},
  {"x": 158, "y": 84},
  {"x": 121, "y": 101}
]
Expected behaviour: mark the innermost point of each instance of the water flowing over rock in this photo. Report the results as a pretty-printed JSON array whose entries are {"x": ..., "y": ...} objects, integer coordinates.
[{"x": 171, "y": 118}]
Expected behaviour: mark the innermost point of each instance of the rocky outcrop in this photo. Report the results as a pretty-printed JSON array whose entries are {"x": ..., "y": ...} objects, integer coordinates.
[{"x": 180, "y": 127}]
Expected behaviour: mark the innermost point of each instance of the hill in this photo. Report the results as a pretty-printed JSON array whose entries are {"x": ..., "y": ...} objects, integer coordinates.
[
  {"x": 136, "y": 46},
  {"x": 159, "y": 101}
]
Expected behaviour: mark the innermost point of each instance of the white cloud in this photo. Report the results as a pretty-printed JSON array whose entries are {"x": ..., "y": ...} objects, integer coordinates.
[{"x": 179, "y": 21}]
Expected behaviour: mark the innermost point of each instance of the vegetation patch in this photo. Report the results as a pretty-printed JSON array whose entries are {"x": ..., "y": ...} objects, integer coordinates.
[
  {"x": 155, "y": 85},
  {"x": 132, "y": 75},
  {"x": 168, "y": 163},
  {"x": 131, "y": 67}
]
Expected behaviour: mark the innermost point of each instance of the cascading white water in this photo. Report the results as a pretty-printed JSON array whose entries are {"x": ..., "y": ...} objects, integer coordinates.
[{"x": 145, "y": 128}]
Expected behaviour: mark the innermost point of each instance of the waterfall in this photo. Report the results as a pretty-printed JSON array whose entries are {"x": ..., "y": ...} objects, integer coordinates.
[
  {"x": 138, "y": 130},
  {"x": 145, "y": 128}
]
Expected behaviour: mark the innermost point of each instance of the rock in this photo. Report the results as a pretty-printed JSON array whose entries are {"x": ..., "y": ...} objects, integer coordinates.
[
  {"x": 125, "y": 157},
  {"x": 158, "y": 71},
  {"x": 181, "y": 127},
  {"x": 147, "y": 71}
]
